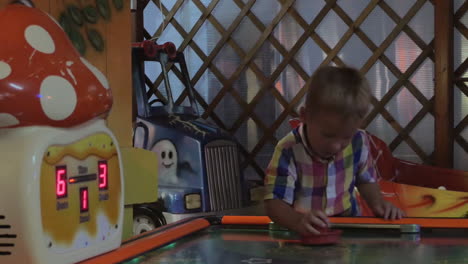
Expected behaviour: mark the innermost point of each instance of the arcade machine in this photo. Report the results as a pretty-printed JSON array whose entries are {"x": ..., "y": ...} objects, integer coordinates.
[
  {"x": 199, "y": 171},
  {"x": 61, "y": 184}
]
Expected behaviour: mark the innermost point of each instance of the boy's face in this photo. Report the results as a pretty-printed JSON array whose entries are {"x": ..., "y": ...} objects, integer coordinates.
[{"x": 328, "y": 132}]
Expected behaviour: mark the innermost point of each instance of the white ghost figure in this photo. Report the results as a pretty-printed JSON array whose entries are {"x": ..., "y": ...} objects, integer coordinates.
[{"x": 167, "y": 155}]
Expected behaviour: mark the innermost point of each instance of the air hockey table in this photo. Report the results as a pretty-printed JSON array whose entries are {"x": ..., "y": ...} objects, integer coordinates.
[{"x": 255, "y": 239}]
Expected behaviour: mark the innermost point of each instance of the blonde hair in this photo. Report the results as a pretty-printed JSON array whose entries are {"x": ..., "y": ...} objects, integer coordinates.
[{"x": 339, "y": 89}]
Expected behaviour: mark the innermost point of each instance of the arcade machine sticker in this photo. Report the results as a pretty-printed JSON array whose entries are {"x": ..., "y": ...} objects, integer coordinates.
[{"x": 80, "y": 191}]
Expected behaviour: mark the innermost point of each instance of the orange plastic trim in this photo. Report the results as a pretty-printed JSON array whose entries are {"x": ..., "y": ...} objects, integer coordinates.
[
  {"x": 423, "y": 222},
  {"x": 245, "y": 220},
  {"x": 144, "y": 244}
]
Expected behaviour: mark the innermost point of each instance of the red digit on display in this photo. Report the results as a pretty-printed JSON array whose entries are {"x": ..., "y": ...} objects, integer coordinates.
[
  {"x": 84, "y": 200},
  {"x": 61, "y": 181},
  {"x": 103, "y": 175}
]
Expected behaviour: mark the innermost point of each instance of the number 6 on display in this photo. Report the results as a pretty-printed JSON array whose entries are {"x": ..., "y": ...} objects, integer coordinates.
[{"x": 61, "y": 181}]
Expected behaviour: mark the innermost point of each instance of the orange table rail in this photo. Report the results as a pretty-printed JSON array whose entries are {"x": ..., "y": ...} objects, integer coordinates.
[
  {"x": 146, "y": 243},
  {"x": 423, "y": 222}
]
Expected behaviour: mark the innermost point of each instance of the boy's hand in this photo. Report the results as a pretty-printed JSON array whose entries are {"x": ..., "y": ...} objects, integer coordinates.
[
  {"x": 311, "y": 221},
  {"x": 381, "y": 208},
  {"x": 387, "y": 210}
]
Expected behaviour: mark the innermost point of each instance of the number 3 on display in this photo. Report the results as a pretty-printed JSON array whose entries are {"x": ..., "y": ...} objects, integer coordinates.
[{"x": 103, "y": 175}]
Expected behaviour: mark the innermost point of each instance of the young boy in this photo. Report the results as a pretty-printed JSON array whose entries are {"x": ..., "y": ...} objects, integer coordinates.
[{"x": 315, "y": 168}]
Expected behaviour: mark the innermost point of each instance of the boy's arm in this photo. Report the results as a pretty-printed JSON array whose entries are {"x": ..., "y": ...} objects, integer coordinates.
[
  {"x": 382, "y": 208},
  {"x": 371, "y": 193},
  {"x": 283, "y": 214},
  {"x": 280, "y": 183},
  {"x": 368, "y": 187},
  {"x": 303, "y": 223}
]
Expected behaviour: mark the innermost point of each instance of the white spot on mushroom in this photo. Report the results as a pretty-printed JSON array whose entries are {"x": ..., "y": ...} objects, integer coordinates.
[
  {"x": 5, "y": 70},
  {"x": 32, "y": 55},
  {"x": 69, "y": 64},
  {"x": 39, "y": 39},
  {"x": 72, "y": 76},
  {"x": 102, "y": 79},
  {"x": 58, "y": 97},
  {"x": 8, "y": 120}
]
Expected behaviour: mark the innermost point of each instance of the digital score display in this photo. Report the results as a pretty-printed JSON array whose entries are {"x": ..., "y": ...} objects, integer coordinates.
[
  {"x": 61, "y": 187},
  {"x": 84, "y": 200},
  {"x": 63, "y": 181},
  {"x": 77, "y": 174},
  {"x": 103, "y": 176}
]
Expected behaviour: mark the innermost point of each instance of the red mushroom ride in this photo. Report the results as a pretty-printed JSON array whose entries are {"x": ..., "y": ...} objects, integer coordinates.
[
  {"x": 61, "y": 180},
  {"x": 43, "y": 79}
]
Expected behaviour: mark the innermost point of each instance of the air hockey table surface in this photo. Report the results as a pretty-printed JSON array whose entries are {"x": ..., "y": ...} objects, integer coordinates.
[{"x": 253, "y": 239}]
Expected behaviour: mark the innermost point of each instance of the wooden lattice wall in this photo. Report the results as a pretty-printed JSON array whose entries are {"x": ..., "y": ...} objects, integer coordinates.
[
  {"x": 289, "y": 59},
  {"x": 460, "y": 21}
]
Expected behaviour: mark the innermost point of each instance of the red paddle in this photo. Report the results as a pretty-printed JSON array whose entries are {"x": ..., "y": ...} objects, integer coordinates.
[{"x": 327, "y": 236}]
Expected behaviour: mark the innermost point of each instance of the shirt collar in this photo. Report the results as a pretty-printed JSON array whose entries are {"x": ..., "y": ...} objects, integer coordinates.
[{"x": 306, "y": 145}]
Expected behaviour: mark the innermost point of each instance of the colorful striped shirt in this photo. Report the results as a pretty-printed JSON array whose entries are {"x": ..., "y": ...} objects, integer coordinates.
[{"x": 307, "y": 183}]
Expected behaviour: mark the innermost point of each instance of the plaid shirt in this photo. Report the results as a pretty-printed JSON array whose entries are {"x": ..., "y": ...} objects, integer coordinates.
[{"x": 295, "y": 176}]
